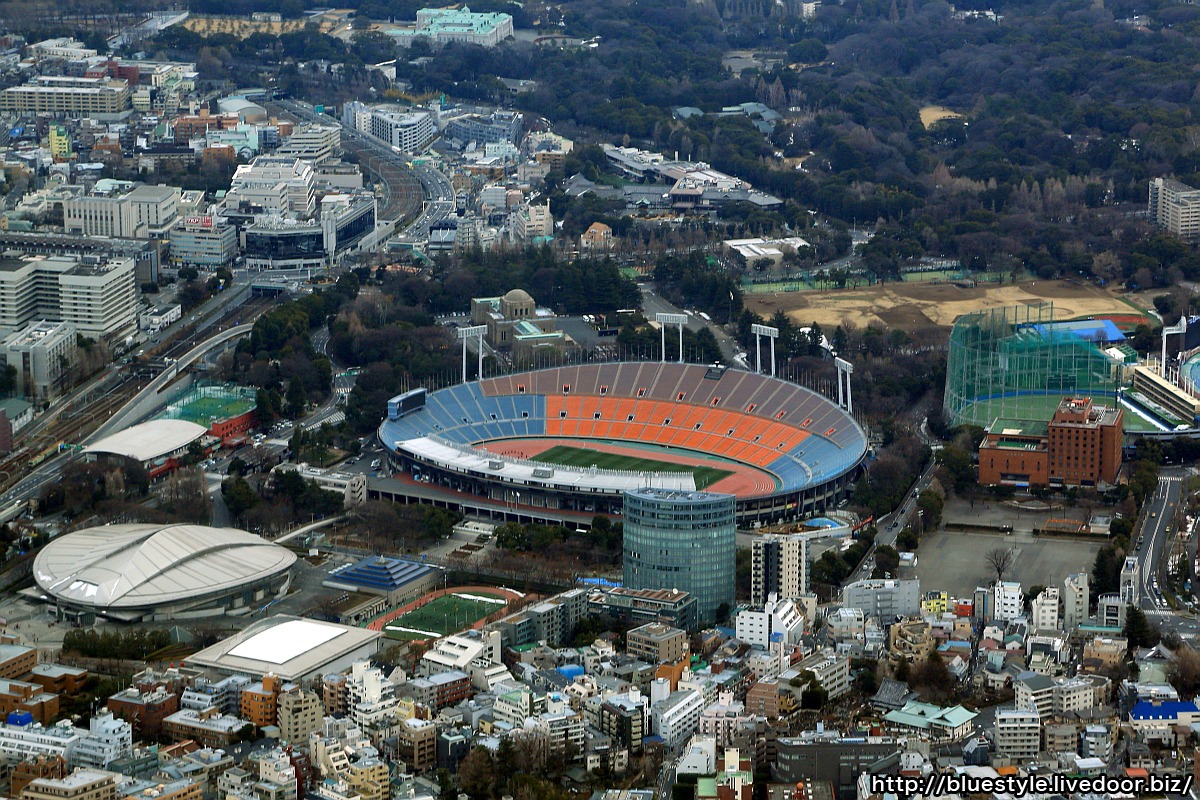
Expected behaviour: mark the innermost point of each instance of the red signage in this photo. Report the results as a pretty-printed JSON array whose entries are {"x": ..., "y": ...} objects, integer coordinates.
[{"x": 198, "y": 222}]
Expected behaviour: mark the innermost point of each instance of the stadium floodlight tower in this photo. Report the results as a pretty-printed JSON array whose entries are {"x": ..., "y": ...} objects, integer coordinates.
[
  {"x": 760, "y": 331},
  {"x": 844, "y": 370},
  {"x": 472, "y": 332},
  {"x": 671, "y": 319},
  {"x": 1178, "y": 327}
]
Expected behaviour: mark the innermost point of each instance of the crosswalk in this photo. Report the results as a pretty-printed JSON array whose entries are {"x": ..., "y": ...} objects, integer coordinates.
[{"x": 336, "y": 418}]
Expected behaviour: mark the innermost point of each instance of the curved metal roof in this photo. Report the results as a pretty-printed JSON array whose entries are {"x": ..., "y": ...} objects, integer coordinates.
[
  {"x": 136, "y": 566},
  {"x": 150, "y": 440}
]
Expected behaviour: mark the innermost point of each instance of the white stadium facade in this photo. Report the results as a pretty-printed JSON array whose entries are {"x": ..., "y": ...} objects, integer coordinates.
[{"x": 155, "y": 572}]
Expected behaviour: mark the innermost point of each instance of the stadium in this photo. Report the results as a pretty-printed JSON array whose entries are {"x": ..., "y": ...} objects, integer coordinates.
[
  {"x": 576, "y": 438},
  {"x": 152, "y": 572}
]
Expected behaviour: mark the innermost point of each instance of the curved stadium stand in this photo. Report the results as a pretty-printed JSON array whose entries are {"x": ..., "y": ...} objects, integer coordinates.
[{"x": 810, "y": 445}]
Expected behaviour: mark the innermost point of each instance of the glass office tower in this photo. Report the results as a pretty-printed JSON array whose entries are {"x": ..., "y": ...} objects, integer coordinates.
[{"x": 681, "y": 540}]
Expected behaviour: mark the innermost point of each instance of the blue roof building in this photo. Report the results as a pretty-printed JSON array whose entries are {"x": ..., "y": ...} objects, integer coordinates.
[{"x": 396, "y": 578}]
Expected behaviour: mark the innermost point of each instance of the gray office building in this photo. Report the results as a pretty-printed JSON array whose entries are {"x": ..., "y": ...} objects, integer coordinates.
[{"x": 681, "y": 540}]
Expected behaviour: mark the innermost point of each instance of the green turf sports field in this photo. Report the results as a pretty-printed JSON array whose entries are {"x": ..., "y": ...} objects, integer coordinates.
[
  {"x": 449, "y": 613},
  {"x": 569, "y": 456}
]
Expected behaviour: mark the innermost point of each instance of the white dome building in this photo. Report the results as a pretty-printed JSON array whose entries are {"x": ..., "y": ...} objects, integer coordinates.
[{"x": 136, "y": 572}]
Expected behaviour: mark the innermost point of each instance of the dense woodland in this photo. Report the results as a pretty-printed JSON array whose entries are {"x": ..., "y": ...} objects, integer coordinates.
[{"x": 1070, "y": 107}]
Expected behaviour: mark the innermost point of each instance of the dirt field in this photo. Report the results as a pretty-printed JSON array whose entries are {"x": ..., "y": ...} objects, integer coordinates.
[
  {"x": 933, "y": 114},
  {"x": 243, "y": 27},
  {"x": 914, "y": 307}
]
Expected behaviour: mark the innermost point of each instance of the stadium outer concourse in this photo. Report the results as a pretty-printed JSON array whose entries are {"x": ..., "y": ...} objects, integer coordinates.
[{"x": 574, "y": 439}]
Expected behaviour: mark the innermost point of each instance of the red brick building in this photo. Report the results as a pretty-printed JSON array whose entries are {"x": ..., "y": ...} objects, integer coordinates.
[
  {"x": 1079, "y": 446},
  {"x": 145, "y": 711}
]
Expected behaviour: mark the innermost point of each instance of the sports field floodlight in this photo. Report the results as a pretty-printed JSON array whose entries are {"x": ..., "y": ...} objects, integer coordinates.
[
  {"x": 671, "y": 319},
  {"x": 1178, "y": 327},
  {"x": 760, "y": 331},
  {"x": 472, "y": 332},
  {"x": 844, "y": 370}
]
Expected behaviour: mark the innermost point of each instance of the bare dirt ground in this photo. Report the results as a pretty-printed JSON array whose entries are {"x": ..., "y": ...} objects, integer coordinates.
[
  {"x": 915, "y": 307},
  {"x": 934, "y": 114}
]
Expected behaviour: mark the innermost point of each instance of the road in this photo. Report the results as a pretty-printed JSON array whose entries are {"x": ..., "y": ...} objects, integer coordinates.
[
  {"x": 1152, "y": 547},
  {"x": 653, "y": 303},
  {"x": 343, "y": 381}
]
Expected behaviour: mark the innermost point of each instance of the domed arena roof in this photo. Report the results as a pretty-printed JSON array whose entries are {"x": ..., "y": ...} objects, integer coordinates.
[{"x": 141, "y": 566}]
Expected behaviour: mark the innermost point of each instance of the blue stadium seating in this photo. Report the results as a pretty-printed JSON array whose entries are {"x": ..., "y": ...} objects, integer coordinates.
[{"x": 466, "y": 414}]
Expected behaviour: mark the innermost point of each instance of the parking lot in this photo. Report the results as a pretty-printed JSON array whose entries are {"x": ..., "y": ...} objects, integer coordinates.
[{"x": 955, "y": 562}]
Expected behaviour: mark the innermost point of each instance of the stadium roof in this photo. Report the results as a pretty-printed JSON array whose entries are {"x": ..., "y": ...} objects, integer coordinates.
[
  {"x": 150, "y": 440},
  {"x": 467, "y": 459},
  {"x": 141, "y": 566},
  {"x": 291, "y": 647}
]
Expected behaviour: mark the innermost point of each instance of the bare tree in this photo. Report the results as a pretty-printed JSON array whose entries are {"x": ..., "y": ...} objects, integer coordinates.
[{"x": 999, "y": 559}]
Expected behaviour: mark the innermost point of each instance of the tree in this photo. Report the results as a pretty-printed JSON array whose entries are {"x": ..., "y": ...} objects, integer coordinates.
[
  {"x": 296, "y": 399},
  {"x": 887, "y": 561},
  {"x": 1000, "y": 559},
  {"x": 1184, "y": 671},
  {"x": 476, "y": 773},
  {"x": 1138, "y": 630}
]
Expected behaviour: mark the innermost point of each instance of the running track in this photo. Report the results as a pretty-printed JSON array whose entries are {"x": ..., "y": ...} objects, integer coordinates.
[{"x": 378, "y": 623}]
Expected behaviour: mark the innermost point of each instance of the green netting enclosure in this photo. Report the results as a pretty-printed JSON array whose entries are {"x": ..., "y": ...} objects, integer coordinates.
[
  {"x": 1009, "y": 362},
  {"x": 211, "y": 402}
]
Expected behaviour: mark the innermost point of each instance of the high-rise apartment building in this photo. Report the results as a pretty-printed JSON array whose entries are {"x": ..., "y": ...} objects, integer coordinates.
[
  {"x": 779, "y": 566},
  {"x": 96, "y": 295},
  {"x": 1175, "y": 206},
  {"x": 1075, "y": 601},
  {"x": 682, "y": 540}
]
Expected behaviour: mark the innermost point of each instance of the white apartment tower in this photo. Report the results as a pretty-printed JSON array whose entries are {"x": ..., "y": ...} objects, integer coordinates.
[
  {"x": 1075, "y": 601},
  {"x": 1045, "y": 609},
  {"x": 1131, "y": 580},
  {"x": 1175, "y": 206}
]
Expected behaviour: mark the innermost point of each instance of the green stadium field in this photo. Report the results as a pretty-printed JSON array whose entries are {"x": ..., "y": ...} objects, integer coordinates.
[
  {"x": 569, "y": 456},
  {"x": 1042, "y": 407},
  {"x": 444, "y": 615}
]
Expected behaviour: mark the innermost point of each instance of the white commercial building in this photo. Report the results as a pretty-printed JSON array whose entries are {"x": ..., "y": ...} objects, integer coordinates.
[
  {"x": 203, "y": 241},
  {"x": 123, "y": 210},
  {"x": 1075, "y": 601},
  {"x": 42, "y": 355},
  {"x": 315, "y": 143},
  {"x": 409, "y": 130},
  {"x": 777, "y": 621},
  {"x": 676, "y": 718},
  {"x": 884, "y": 599},
  {"x": 1045, "y": 608},
  {"x": 274, "y": 184},
  {"x": 832, "y": 671},
  {"x": 1008, "y": 602},
  {"x": 96, "y": 295}
]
